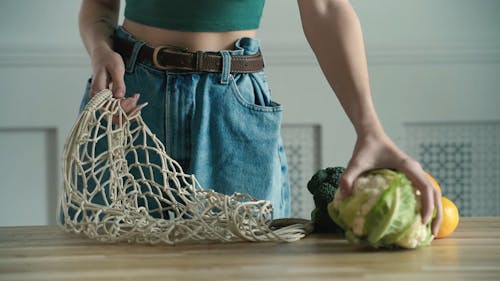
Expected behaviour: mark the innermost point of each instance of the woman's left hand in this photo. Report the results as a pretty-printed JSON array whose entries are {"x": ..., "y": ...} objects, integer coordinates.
[{"x": 375, "y": 150}]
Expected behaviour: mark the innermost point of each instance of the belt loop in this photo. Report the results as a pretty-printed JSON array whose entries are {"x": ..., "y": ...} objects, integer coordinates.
[
  {"x": 199, "y": 61},
  {"x": 226, "y": 67},
  {"x": 133, "y": 56}
]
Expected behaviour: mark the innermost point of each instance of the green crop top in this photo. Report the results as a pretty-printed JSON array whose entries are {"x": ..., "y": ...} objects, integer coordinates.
[{"x": 196, "y": 15}]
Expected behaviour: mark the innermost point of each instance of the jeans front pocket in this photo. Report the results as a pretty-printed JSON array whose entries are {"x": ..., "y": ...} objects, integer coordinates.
[
  {"x": 252, "y": 91},
  {"x": 237, "y": 144}
]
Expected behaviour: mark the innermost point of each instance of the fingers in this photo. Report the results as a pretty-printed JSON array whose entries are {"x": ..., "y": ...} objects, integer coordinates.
[
  {"x": 352, "y": 172},
  {"x": 132, "y": 114},
  {"x": 130, "y": 103},
  {"x": 99, "y": 82},
  {"x": 428, "y": 200},
  {"x": 436, "y": 223},
  {"x": 431, "y": 199},
  {"x": 415, "y": 173},
  {"x": 118, "y": 85},
  {"x": 109, "y": 71}
]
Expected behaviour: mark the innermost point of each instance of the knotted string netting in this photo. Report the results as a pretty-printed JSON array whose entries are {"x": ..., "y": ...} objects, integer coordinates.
[{"x": 120, "y": 185}]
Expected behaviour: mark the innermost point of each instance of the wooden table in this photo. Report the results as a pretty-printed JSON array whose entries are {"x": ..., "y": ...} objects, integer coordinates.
[{"x": 47, "y": 253}]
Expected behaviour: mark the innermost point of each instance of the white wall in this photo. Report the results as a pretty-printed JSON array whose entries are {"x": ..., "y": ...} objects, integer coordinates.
[{"x": 429, "y": 61}]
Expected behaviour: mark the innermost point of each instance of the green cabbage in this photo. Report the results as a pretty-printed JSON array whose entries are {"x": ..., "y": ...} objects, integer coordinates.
[{"x": 383, "y": 211}]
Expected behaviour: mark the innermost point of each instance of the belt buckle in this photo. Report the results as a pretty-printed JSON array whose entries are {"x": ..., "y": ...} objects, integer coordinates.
[{"x": 158, "y": 49}]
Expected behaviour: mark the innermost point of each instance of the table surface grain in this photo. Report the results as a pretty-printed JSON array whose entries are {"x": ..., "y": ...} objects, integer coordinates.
[{"x": 47, "y": 253}]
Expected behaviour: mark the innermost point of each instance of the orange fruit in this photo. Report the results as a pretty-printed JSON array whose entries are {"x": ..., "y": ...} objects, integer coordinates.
[
  {"x": 451, "y": 218},
  {"x": 434, "y": 182}
]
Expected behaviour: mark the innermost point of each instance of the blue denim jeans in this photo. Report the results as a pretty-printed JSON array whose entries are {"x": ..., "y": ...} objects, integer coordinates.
[{"x": 223, "y": 128}]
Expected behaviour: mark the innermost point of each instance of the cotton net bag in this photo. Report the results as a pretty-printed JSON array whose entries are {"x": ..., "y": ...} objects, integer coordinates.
[{"x": 120, "y": 185}]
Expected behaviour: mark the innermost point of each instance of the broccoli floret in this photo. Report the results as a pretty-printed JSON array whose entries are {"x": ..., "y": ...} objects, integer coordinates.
[
  {"x": 324, "y": 194},
  {"x": 330, "y": 176},
  {"x": 323, "y": 223},
  {"x": 322, "y": 186}
]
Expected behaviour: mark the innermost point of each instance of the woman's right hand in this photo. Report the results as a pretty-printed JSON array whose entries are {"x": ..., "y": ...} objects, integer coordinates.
[{"x": 108, "y": 72}]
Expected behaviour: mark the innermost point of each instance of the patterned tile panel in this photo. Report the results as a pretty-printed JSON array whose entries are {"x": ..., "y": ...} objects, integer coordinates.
[
  {"x": 451, "y": 164},
  {"x": 465, "y": 159},
  {"x": 302, "y": 145}
]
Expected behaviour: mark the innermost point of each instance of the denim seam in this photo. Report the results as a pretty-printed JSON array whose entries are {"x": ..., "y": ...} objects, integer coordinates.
[
  {"x": 285, "y": 189},
  {"x": 166, "y": 103},
  {"x": 237, "y": 94}
]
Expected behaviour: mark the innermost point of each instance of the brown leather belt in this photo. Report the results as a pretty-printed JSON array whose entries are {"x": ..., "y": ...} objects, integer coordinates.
[{"x": 174, "y": 58}]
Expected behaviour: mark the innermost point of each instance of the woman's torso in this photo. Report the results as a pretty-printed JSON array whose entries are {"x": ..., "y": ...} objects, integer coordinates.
[{"x": 195, "y": 41}]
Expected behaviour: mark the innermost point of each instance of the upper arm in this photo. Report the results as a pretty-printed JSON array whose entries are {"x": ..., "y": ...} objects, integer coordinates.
[
  {"x": 316, "y": 13},
  {"x": 92, "y": 9},
  {"x": 319, "y": 7},
  {"x": 108, "y": 4}
]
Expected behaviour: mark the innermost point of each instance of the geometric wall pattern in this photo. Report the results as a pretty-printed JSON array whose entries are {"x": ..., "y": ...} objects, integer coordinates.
[
  {"x": 451, "y": 165},
  {"x": 302, "y": 145},
  {"x": 464, "y": 157}
]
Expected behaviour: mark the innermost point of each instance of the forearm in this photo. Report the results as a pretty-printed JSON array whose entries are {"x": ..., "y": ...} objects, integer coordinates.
[
  {"x": 97, "y": 22},
  {"x": 333, "y": 30}
]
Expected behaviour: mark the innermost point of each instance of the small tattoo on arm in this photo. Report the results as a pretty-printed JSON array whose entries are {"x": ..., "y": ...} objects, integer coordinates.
[{"x": 110, "y": 25}]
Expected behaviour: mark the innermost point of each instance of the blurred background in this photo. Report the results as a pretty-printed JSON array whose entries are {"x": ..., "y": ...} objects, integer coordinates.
[{"x": 435, "y": 78}]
